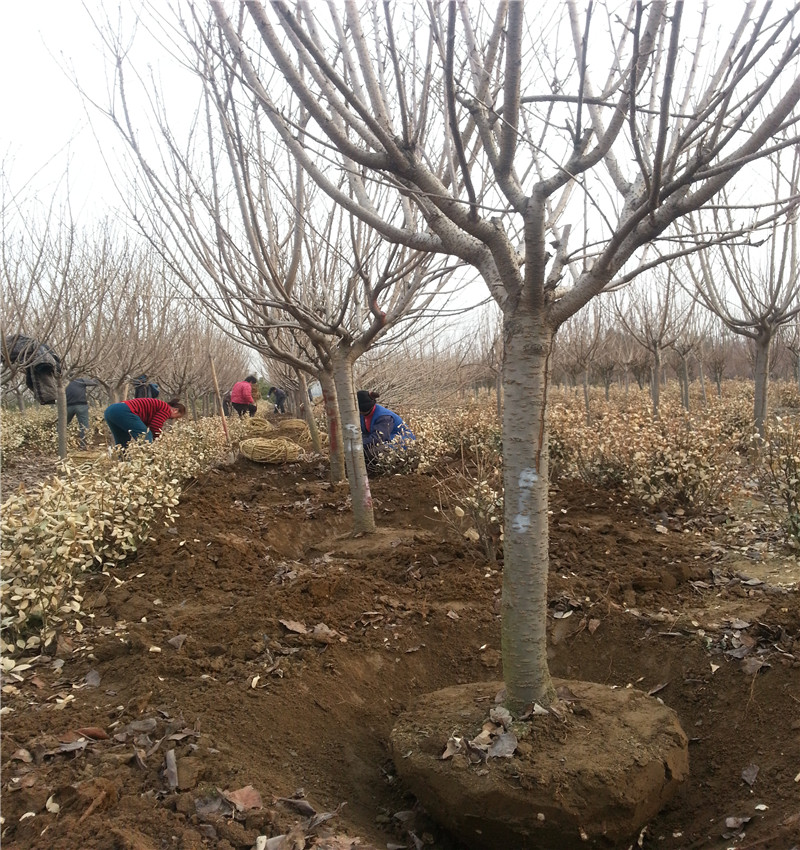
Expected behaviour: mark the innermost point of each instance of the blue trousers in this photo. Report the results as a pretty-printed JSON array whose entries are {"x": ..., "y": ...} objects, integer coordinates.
[
  {"x": 82, "y": 412},
  {"x": 125, "y": 425}
]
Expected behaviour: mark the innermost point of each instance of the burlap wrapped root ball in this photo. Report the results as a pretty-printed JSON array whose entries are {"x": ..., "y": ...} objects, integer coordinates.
[{"x": 263, "y": 450}]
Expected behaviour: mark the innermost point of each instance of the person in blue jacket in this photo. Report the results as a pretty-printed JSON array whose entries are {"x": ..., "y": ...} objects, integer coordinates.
[{"x": 381, "y": 428}]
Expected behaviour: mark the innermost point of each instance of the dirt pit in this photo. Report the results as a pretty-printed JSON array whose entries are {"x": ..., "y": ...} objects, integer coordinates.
[{"x": 241, "y": 675}]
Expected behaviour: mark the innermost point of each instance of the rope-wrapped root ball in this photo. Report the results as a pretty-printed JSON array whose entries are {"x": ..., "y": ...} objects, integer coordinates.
[
  {"x": 259, "y": 426},
  {"x": 263, "y": 450}
]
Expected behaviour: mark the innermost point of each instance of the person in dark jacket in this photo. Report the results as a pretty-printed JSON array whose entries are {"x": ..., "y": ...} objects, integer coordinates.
[
  {"x": 78, "y": 406},
  {"x": 145, "y": 388},
  {"x": 227, "y": 404},
  {"x": 278, "y": 397},
  {"x": 140, "y": 417},
  {"x": 381, "y": 428},
  {"x": 41, "y": 364}
]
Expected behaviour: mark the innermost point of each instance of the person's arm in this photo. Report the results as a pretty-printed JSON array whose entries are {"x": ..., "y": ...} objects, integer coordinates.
[
  {"x": 161, "y": 412},
  {"x": 380, "y": 431}
]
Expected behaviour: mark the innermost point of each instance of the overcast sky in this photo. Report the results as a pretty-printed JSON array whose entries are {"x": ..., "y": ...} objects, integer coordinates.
[
  {"x": 44, "y": 120},
  {"x": 41, "y": 111},
  {"x": 45, "y": 125}
]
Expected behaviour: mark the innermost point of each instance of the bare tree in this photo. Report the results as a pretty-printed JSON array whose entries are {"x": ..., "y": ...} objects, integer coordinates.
[
  {"x": 532, "y": 153},
  {"x": 607, "y": 360},
  {"x": 653, "y": 313},
  {"x": 579, "y": 339},
  {"x": 754, "y": 285},
  {"x": 792, "y": 338},
  {"x": 686, "y": 345},
  {"x": 266, "y": 253}
]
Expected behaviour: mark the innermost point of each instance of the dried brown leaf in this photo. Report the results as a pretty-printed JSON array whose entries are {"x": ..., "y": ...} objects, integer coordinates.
[
  {"x": 244, "y": 799},
  {"x": 301, "y": 806}
]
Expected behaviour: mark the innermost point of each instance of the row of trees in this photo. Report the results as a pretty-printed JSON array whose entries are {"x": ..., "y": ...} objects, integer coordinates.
[
  {"x": 105, "y": 303},
  {"x": 349, "y": 168}
]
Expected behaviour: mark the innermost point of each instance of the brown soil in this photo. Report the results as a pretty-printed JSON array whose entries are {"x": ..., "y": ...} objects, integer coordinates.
[{"x": 270, "y": 655}]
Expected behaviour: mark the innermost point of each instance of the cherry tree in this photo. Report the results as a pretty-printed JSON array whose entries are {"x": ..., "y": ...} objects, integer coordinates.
[
  {"x": 525, "y": 158},
  {"x": 266, "y": 253},
  {"x": 654, "y": 311},
  {"x": 753, "y": 285}
]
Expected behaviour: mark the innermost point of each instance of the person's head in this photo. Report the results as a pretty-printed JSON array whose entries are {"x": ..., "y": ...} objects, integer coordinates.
[
  {"x": 178, "y": 409},
  {"x": 251, "y": 379},
  {"x": 366, "y": 401}
]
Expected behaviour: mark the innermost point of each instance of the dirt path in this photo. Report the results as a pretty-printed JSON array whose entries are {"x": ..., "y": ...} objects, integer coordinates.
[{"x": 270, "y": 654}]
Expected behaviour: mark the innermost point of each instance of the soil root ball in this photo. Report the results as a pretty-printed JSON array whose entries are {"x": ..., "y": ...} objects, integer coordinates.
[{"x": 591, "y": 778}]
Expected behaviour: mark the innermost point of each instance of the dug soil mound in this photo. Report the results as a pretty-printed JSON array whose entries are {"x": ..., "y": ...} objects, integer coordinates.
[{"x": 240, "y": 677}]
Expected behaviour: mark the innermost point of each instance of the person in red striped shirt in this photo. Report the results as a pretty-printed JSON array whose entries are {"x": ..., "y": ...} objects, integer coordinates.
[{"x": 140, "y": 417}]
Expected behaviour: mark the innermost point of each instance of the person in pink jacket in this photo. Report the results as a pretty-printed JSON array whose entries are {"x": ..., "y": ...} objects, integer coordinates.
[{"x": 242, "y": 396}]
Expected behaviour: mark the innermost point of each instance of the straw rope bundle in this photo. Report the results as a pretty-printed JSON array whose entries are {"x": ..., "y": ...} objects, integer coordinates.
[
  {"x": 277, "y": 450},
  {"x": 259, "y": 426},
  {"x": 295, "y": 430}
]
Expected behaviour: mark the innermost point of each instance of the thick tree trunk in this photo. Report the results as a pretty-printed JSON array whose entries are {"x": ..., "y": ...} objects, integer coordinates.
[
  {"x": 525, "y": 478},
  {"x": 335, "y": 448},
  {"x": 761, "y": 345},
  {"x": 355, "y": 467}
]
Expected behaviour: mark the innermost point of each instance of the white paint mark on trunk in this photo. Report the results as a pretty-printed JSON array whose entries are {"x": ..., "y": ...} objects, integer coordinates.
[{"x": 522, "y": 521}]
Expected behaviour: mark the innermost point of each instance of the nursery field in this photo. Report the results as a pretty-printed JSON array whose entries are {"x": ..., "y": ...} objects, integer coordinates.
[{"x": 237, "y": 678}]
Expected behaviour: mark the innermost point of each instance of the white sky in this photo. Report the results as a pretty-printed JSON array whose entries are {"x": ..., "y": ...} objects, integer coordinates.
[
  {"x": 44, "y": 118},
  {"x": 45, "y": 125}
]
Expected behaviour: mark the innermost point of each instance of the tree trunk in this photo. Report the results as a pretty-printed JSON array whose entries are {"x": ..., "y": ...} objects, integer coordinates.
[
  {"x": 363, "y": 514},
  {"x": 308, "y": 408},
  {"x": 526, "y": 534},
  {"x": 586, "y": 395},
  {"x": 684, "y": 383},
  {"x": 761, "y": 345},
  {"x": 61, "y": 409},
  {"x": 702, "y": 374},
  {"x": 335, "y": 448},
  {"x": 655, "y": 383}
]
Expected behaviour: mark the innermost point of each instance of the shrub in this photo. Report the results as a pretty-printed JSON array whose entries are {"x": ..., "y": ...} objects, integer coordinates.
[
  {"x": 88, "y": 516},
  {"x": 779, "y": 472}
]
